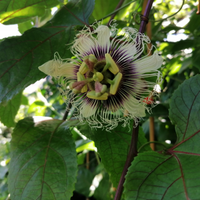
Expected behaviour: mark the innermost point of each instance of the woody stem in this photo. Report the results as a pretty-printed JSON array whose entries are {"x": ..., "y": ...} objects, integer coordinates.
[{"x": 133, "y": 146}]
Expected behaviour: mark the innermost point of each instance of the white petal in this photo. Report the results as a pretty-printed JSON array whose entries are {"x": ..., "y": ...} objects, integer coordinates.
[
  {"x": 67, "y": 70},
  {"x": 103, "y": 36},
  {"x": 87, "y": 110},
  {"x": 134, "y": 107},
  {"x": 50, "y": 66},
  {"x": 129, "y": 50},
  {"x": 83, "y": 44},
  {"x": 57, "y": 68},
  {"x": 149, "y": 63}
]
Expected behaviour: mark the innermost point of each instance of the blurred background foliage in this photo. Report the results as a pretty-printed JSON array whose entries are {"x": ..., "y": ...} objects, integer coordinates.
[{"x": 177, "y": 38}]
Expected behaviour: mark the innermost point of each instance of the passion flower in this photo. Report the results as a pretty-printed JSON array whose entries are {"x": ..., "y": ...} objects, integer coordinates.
[{"x": 109, "y": 76}]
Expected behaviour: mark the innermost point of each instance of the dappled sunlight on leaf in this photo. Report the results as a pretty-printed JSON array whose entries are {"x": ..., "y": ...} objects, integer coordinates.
[{"x": 173, "y": 173}]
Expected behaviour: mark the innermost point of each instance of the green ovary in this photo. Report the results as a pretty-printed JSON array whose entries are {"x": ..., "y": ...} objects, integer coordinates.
[{"x": 99, "y": 79}]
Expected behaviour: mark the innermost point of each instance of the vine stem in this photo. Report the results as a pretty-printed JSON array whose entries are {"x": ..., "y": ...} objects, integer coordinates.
[
  {"x": 146, "y": 15},
  {"x": 67, "y": 111},
  {"x": 151, "y": 119},
  {"x": 133, "y": 146},
  {"x": 132, "y": 153},
  {"x": 151, "y": 133},
  {"x": 198, "y": 8}
]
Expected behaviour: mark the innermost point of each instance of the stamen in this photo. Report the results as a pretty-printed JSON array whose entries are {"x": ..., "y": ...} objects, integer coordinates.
[
  {"x": 113, "y": 67},
  {"x": 100, "y": 88},
  {"x": 75, "y": 91},
  {"x": 85, "y": 58},
  {"x": 115, "y": 85},
  {"x": 84, "y": 89},
  {"x": 79, "y": 86},
  {"x": 71, "y": 85},
  {"x": 80, "y": 77},
  {"x": 90, "y": 61},
  {"x": 92, "y": 58},
  {"x": 95, "y": 95},
  {"x": 98, "y": 94},
  {"x": 104, "y": 88},
  {"x": 83, "y": 68}
]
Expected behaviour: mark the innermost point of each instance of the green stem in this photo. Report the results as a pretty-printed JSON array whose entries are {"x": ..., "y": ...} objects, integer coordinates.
[
  {"x": 116, "y": 10},
  {"x": 135, "y": 13},
  {"x": 113, "y": 15},
  {"x": 183, "y": 2},
  {"x": 176, "y": 79},
  {"x": 97, "y": 157}
]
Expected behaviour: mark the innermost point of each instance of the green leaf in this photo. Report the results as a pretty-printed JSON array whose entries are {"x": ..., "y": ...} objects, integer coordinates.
[
  {"x": 84, "y": 181},
  {"x": 14, "y": 12},
  {"x": 21, "y": 56},
  {"x": 174, "y": 174},
  {"x": 43, "y": 161},
  {"x": 24, "y": 26},
  {"x": 103, "y": 8},
  {"x": 63, "y": 1},
  {"x": 185, "y": 107},
  {"x": 81, "y": 158},
  {"x": 82, "y": 145},
  {"x": 186, "y": 63},
  {"x": 113, "y": 147},
  {"x": 124, "y": 13},
  {"x": 146, "y": 179},
  {"x": 46, "y": 16},
  {"x": 9, "y": 110},
  {"x": 142, "y": 140},
  {"x": 159, "y": 110},
  {"x": 192, "y": 26},
  {"x": 183, "y": 44},
  {"x": 169, "y": 28},
  {"x": 196, "y": 59},
  {"x": 4, "y": 4},
  {"x": 38, "y": 108},
  {"x": 24, "y": 100}
]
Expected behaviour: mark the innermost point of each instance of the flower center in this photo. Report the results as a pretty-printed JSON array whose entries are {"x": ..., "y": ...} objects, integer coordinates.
[{"x": 98, "y": 79}]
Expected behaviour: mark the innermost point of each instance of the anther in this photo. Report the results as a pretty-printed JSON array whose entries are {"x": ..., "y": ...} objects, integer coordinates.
[
  {"x": 94, "y": 95},
  {"x": 115, "y": 85},
  {"x": 113, "y": 67},
  {"x": 83, "y": 68}
]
